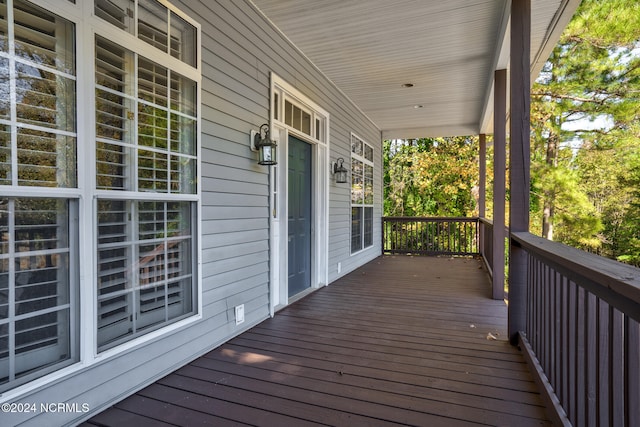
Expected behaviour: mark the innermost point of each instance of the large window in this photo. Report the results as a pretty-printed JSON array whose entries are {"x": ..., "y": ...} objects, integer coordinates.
[
  {"x": 38, "y": 210},
  {"x": 138, "y": 195},
  {"x": 361, "y": 194},
  {"x": 146, "y": 145}
]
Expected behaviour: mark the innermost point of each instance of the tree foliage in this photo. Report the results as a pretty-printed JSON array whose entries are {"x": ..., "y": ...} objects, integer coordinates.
[
  {"x": 585, "y": 144},
  {"x": 431, "y": 177},
  {"x": 585, "y": 112}
]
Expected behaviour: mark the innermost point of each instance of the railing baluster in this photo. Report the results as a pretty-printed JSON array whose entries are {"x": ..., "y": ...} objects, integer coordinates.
[
  {"x": 632, "y": 369},
  {"x": 616, "y": 378},
  {"x": 592, "y": 360},
  {"x": 603, "y": 384},
  {"x": 581, "y": 330},
  {"x": 555, "y": 322},
  {"x": 572, "y": 353},
  {"x": 564, "y": 344}
]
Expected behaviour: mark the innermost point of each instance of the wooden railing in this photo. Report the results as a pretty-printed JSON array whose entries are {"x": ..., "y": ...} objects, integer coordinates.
[
  {"x": 430, "y": 236},
  {"x": 582, "y": 330},
  {"x": 486, "y": 242}
]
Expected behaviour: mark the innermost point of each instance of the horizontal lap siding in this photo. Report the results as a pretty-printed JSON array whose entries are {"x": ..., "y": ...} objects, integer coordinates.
[{"x": 239, "y": 50}]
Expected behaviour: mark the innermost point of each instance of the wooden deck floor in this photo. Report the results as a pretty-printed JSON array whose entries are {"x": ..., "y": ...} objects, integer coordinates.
[{"x": 400, "y": 341}]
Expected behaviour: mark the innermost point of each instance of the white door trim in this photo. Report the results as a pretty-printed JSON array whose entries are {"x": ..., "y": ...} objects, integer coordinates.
[{"x": 280, "y": 131}]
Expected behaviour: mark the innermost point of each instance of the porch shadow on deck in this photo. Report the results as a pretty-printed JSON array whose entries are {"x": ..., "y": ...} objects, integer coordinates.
[{"x": 401, "y": 340}]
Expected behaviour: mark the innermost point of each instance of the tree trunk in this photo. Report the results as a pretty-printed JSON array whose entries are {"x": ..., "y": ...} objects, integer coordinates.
[
  {"x": 549, "y": 193},
  {"x": 547, "y": 220}
]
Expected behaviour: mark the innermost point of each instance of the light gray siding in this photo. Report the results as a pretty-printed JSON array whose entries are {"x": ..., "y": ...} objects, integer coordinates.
[{"x": 239, "y": 50}]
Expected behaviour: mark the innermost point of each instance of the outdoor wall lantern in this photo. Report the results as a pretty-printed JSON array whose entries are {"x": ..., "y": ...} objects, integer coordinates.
[
  {"x": 264, "y": 145},
  {"x": 339, "y": 171}
]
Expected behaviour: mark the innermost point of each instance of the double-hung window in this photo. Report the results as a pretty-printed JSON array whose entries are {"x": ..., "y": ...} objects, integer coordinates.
[
  {"x": 135, "y": 204},
  {"x": 39, "y": 201},
  {"x": 146, "y": 159},
  {"x": 361, "y": 194}
]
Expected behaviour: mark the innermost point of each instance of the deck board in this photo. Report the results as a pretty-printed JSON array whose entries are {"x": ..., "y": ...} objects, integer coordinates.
[{"x": 400, "y": 341}]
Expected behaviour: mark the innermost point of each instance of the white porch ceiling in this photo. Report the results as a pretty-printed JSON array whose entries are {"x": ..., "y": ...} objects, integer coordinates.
[{"x": 448, "y": 50}]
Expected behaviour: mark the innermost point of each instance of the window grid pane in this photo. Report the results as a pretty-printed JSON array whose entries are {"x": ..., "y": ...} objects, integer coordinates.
[
  {"x": 152, "y": 24},
  {"x": 356, "y": 229},
  {"x": 183, "y": 40},
  {"x": 42, "y": 37},
  {"x": 42, "y": 128},
  {"x": 35, "y": 284},
  {"x": 167, "y": 164},
  {"x": 117, "y": 12},
  {"x": 5, "y": 155},
  {"x": 297, "y": 118},
  {"x": 147, "y": 280}
]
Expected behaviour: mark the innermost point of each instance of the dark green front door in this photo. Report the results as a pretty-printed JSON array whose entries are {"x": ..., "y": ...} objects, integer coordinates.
[{"x": 299, "y": 219}]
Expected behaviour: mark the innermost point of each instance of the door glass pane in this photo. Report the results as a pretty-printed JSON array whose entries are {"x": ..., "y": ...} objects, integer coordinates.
[
  {"x": 276, "y": 107},
  {"x": 306, "y": 123},
  {"x": 288, "y": 113}
]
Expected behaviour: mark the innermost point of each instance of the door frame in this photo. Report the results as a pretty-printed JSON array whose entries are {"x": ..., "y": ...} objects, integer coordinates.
[{"x": 281, "y": 91}]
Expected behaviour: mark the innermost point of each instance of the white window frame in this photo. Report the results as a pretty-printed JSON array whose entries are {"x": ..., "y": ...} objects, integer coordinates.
[
  {"x": 72, "y": 195},
  {"x": 87, "y": 25},
  {"x": 132, "y": 43},
  {"x": 363, "y": 205}
]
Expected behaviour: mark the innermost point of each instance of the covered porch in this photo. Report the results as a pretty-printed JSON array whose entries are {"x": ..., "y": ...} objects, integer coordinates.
[{"x": 401, "y": 340}]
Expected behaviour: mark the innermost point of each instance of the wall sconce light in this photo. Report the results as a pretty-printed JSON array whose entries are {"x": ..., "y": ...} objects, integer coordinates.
[
  {"x": 264, "y": 145},
  {"x": 339, "y": 171}
]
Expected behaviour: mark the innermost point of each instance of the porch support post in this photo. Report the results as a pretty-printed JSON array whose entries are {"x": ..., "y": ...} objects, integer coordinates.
[
  {"x": 499, "y": 172},
  {"x": 482, "y": 193},
  {"x": 519, "y": 161}
]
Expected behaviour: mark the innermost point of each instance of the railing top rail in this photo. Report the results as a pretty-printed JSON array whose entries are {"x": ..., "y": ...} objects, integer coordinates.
[
  {"x": 486, "y": 220},
  {"x": 429, "y": 218},
  {"x": 616, "y": 282}
]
